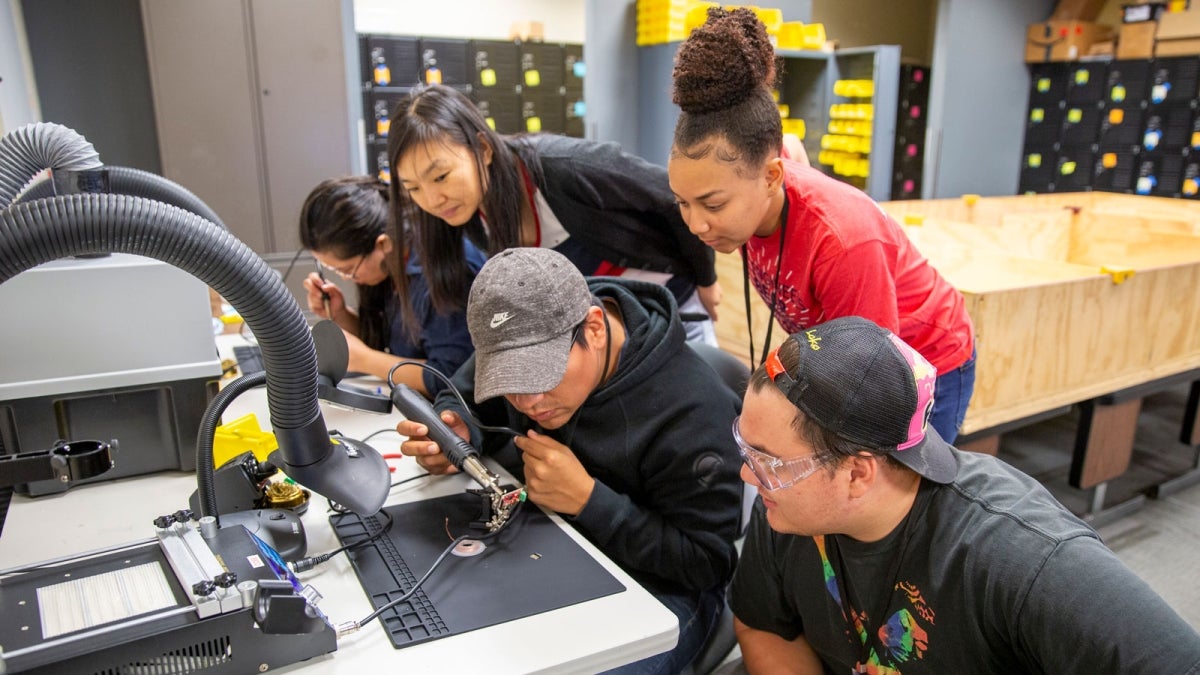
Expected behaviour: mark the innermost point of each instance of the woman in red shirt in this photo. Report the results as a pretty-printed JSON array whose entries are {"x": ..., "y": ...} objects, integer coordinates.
[{"x": 814, "y": 248}]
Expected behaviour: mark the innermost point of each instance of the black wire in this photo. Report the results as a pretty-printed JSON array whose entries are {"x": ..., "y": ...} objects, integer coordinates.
[
  {"x": 292, "y": 264},
  {"x": 454, "y": 390},
  {"x": 355, "y": 544},
  {"x": 445, "y": 552},
  {"x": 305, "y": 564},
  {"x": 402, "y": 481},
  {"x": 373, "y": 434}
]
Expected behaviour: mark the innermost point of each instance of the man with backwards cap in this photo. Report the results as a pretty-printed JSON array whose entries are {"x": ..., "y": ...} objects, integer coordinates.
[
  {"x": 624, "y": 429},
  {"x": 879, "y": 548}
]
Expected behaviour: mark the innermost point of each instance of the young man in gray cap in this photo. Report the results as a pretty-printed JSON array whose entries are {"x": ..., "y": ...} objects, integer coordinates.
[
  {"x": 624, "y": 429},
  {"x": 878, "y": 548}
]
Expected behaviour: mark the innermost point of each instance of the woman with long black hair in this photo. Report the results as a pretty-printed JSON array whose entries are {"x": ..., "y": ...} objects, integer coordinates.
[{"x": 344, "y": 223}]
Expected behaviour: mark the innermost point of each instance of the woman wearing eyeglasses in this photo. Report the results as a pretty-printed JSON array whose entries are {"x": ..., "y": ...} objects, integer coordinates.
[{"x": 344, "y": 224}]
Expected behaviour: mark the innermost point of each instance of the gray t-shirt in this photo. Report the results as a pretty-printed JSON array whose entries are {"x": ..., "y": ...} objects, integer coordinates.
[{"x": 994, "y": 576}]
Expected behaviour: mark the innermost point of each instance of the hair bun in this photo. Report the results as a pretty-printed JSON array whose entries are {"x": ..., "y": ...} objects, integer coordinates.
[{"x": 723, "y": 62}]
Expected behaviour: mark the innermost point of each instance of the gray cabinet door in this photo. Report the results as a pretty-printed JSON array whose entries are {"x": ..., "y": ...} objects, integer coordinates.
[{"x": 252, "y": 105}]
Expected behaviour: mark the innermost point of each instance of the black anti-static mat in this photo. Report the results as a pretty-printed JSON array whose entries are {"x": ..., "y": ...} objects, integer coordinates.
[{"x": 531, "y": 567}]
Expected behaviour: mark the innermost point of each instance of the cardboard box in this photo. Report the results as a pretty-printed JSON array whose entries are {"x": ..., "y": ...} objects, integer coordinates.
[
  {"x": 1177, "y": 47},
  {"x": 1077, "y": 10},
  {"x": 1062, "y": 40},
  {"x": 1136, "y": 40},
  {"x": 527, "y": 30},
  {"x": 1178, "y": 33},
  {"x": 1180, "y": 25}
]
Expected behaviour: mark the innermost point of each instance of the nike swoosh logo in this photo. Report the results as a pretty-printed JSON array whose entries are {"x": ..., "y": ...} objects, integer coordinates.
[{"x": 499, "y": 318}]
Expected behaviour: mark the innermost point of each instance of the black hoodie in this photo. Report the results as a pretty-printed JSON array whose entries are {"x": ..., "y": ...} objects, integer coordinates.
[{"x": 656, "y": 438}]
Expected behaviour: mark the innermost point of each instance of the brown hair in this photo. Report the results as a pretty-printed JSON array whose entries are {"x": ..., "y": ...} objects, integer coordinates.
[{"x": 723, "y": 75}]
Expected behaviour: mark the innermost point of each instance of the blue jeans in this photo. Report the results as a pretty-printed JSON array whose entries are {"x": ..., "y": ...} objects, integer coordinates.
[
  {"x": 951, "y": 395},
  {"x": 698, "y": 614}
]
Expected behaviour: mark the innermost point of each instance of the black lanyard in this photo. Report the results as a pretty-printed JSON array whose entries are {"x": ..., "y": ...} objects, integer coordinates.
[
  {"x": 774, "y": 291},
  {"x": 863, "y": 648}
]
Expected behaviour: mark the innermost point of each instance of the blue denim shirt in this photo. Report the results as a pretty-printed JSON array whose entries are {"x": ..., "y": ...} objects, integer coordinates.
[{"x": 444, "y": 341}]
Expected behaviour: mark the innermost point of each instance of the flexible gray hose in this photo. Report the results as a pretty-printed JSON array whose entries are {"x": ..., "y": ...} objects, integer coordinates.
[
  {"x": 58, "y": 227},
  {"x": 27, "y": 151},
  {"x": 124, "y": 180}
]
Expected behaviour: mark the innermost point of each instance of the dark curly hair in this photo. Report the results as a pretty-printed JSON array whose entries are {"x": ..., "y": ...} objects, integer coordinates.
[{"x": 723, "y": 77}]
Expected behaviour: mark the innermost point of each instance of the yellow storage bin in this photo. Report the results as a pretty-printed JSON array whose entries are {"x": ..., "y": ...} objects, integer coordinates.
[
  {"x": 697, "y": 14},
  {"x": 854, "y": 88},
  {"x": 795, "y": 127}
]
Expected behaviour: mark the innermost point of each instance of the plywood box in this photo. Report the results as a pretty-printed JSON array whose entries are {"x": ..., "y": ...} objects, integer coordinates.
[{"x": 1072, "y": 295}]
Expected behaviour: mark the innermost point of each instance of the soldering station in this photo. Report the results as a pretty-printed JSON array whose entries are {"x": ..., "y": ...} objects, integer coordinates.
[{"x": 214, "y": 586}]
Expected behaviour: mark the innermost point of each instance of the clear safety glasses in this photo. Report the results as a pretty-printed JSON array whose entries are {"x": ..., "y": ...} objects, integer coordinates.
[{"x": 772, "y": 472}]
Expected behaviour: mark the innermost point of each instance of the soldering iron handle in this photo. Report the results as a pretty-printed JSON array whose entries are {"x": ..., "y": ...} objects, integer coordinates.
[{"x": 416, "y": 408}]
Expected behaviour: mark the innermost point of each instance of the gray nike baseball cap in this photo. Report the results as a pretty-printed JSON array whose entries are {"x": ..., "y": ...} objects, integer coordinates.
[{"x": 523, "y": 307}]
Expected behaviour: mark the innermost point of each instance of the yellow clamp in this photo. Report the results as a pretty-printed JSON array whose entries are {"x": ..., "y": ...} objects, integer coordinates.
[
  {"x": 1119, "y": 274},
  {"x": 240, "y": 435}
]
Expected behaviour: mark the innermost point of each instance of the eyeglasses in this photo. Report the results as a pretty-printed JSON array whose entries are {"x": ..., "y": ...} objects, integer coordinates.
[
  {"x": 348, "y": 276},
  {"x": 772, "y": 472}
]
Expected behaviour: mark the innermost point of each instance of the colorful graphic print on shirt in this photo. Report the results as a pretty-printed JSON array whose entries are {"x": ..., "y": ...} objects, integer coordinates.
[{"x": 900, "y": 638}]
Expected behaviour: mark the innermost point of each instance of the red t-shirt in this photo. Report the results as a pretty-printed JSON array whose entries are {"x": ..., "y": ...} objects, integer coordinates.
[{"x": 846, "y": 257}]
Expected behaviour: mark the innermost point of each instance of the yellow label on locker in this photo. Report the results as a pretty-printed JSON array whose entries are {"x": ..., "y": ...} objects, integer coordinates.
[
  {"x": 383, "y": 74},
  {"x": 381, "y": 126},
  {"x": 1043, "y": 84},
  {"x": 1116, "y": 116},
  {"x": 532, "y": 78},
  {"x": 491, "y": 122},
  {"x": 1081, "y": 76},
  {"x": 533, "y": 124},
  {"x": 433, "y": 76},
  {"x": 1196, "y": 139},
  {"x": 1037, "y": 115},
  {"x": 1191, "y": 186},
  {"x": 1074, "y": 115},
  {"x": 1034, "y": 160},
  {"x": 487, "y": 77},
  {"x": 1118, "y": 93},
  {"x": 1067, "y": 168},
  {"x": 1108, "y": 160}
]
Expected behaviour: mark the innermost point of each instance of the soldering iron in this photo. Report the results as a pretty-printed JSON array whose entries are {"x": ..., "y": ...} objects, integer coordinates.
[{"x": 461, "y": 454}]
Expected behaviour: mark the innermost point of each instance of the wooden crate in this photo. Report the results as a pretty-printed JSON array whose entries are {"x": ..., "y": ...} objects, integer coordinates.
[{"x": 1072, "y": 295}]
